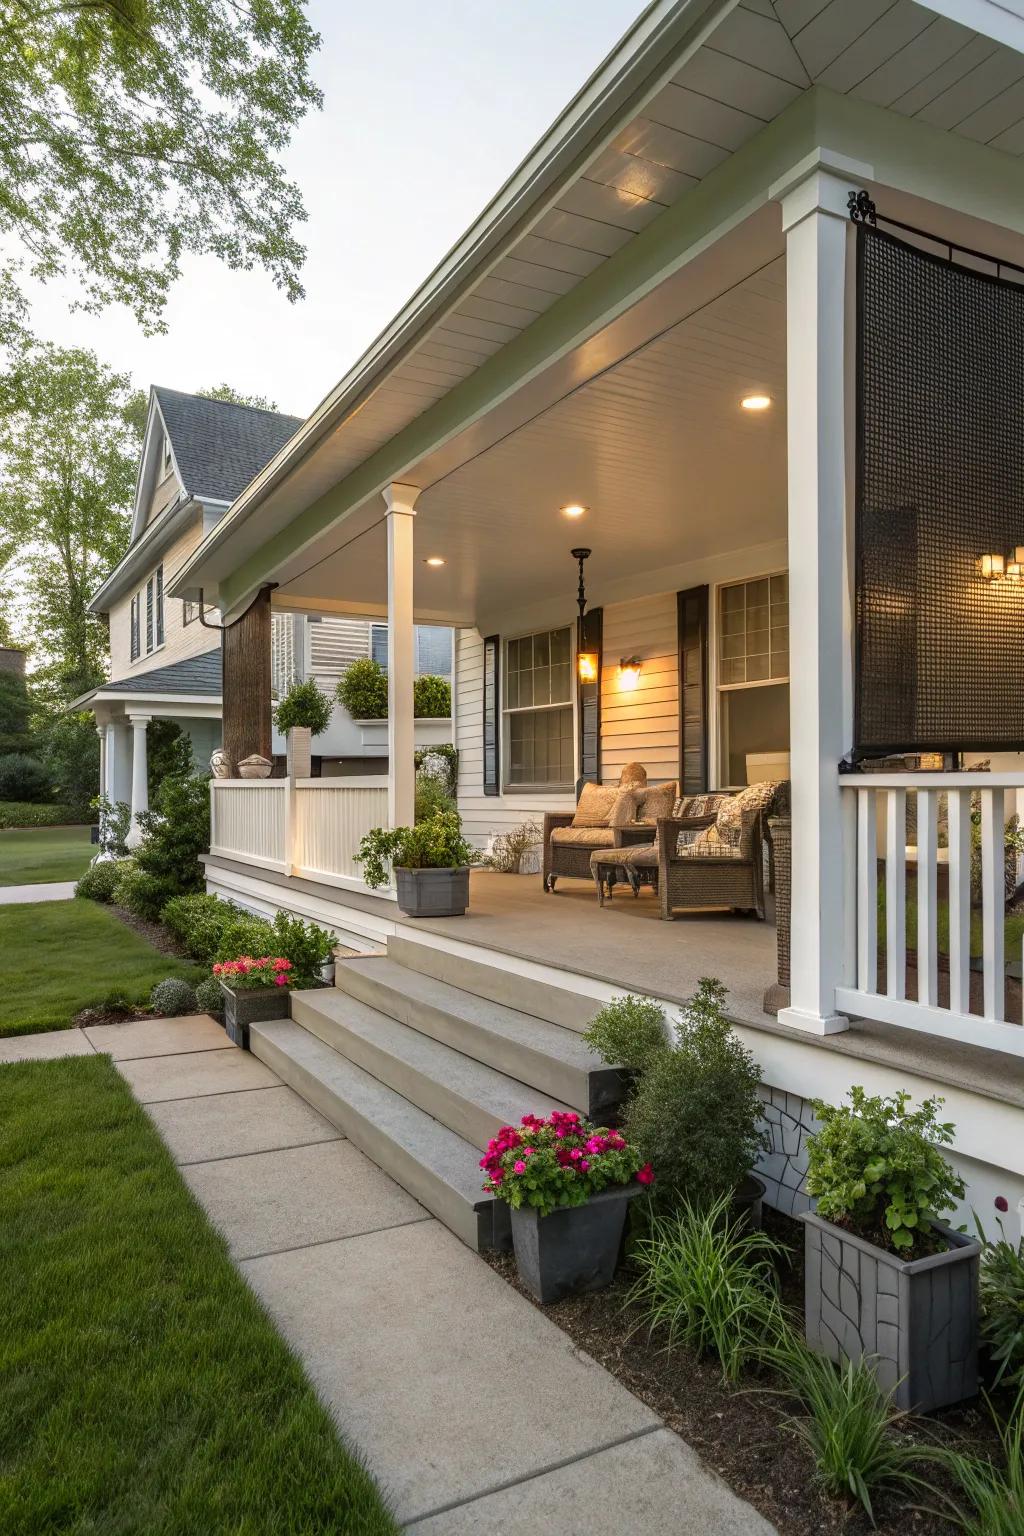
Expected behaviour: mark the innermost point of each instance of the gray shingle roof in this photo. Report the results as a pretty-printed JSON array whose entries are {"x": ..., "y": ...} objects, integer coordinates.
[
  {"x": 197, "y": 674},
  {"x": 219, "y": 447}
]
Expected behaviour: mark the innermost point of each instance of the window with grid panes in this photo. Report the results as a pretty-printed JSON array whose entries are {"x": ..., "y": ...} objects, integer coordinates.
[
  {"x": 753, "y": 632},
  {"x": 538, "y": 710}
]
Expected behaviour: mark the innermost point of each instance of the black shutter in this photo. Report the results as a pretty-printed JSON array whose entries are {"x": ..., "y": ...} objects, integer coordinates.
[
  {"x": 693, "y": 690},
  {"x": 590, "y": 703},
  {"x": 135, "y": 627},
  {"x": 149, "y": 615},
  {"x": 492, "y": 715},
  {"x": 159, "y": 605}
]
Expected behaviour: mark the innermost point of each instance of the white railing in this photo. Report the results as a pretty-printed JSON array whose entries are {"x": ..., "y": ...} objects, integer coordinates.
[
  {"x": 330, "y": 820},
  {"x": 955, "y": 814},
  {"x": 249, "y": 821},
  {"x": 308, "y": 827}
]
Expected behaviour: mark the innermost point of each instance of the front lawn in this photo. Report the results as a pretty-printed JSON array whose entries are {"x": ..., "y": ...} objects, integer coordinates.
[
  {"x": 30, "y": 855},
  {"x": 63, "y": 956},
  {"x": 144, "y": 1388}
]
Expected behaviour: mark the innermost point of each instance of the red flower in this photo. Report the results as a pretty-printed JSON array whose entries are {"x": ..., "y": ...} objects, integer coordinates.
[{"x": 645, "y": 1175}]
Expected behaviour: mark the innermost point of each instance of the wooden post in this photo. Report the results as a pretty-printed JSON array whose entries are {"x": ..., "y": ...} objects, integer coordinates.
[{"x": 245, "y": 652}]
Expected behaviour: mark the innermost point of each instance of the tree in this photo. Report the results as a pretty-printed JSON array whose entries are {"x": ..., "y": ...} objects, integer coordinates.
[
  {"x": 235, "y": 397},
  {"x": 15, "y": 713},
  {"x": 133, "y": 132},
  {"x": 69, "y": 444}
]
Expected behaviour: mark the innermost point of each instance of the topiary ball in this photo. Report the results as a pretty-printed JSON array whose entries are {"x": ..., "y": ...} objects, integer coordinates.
[
  {"x": 209, "y": 997},
  {"x": 172, "y": 997}
]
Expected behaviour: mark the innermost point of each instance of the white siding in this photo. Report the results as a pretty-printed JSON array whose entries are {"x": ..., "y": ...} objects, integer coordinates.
[
  {"x": 642, "y": 725},
  {"x": 484, "y": 815},
  {"x": 180, "y": 640},
  {"x": 334, "y": 644}
]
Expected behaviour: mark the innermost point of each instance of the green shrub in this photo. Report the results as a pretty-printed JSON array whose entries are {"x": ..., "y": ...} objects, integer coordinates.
[
  {"x": 848, "y": 1424},
  {"x": 436, "y": 843},
  {"x": 440, "y": 762},
  {"x": 996, "y": 1493},
  {"x": 174, "y": 834},
  {"x": 431, "y": 796},
  {"x": 695, "y": 1113},
  {"x": 431, "y": 697},
  {"x": 115, "y": 822},
  {"x": 99, "y": 881},
  {"x": 245, "y": 934},
  {"x": 709, "y": 1281},
  {"x": 209, "y": 997},
  {"x": 879, "y": 1168},
  {"x": 363, "y": 690},
  {"x": 136, "y": 891},
  {"x": 19, "y": 813},
  {"x": 1001, "y": 1295},
  {"x": 304, "y": 944},
  {"x": 305, "y": 704},
  {"x": 70, "y": 748},
  {"x": 197, "y": 922},
  {"x": 172, "y": 997},
  {"x": 24, "y": 778},
  {"x": 629, "y": 1032}
]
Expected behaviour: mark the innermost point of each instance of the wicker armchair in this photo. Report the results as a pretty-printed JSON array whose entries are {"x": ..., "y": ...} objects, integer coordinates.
[
  {"x": 568, "y": 855},
  {"x": 711, "y": 880}
]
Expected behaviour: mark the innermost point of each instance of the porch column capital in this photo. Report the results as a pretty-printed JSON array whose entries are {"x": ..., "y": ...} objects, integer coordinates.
[
  {"x": 819, "y": 183},
  {"x": 401, "y": 498},
  {"x": 139, "y": 722}
]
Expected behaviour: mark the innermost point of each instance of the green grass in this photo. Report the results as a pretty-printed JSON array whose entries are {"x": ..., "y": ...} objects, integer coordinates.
[
  {"x": 143, "y": 1387},
  {"x": 30, "y": 855},
  {"x": 1013, "y": 926},
  {"x": 62, "y": 956}
]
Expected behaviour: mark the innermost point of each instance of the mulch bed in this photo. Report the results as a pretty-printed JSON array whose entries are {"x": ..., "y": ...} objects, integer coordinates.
[
  {"x": 155, "y": 933},
  {"x": 739, "y": 1431},
  {"x": 90, "y": 1016}
]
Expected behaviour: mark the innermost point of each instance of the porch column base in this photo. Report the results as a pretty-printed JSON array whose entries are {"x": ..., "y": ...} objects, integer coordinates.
[{"x": 814, "y": 1023}]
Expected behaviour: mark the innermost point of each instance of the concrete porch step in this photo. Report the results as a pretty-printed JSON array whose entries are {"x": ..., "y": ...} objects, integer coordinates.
[
  {"x": 549, "y": 1058},
  {"x": 469, "y": 1097},
  {"x": 436, "y": 1166},
  {"x": 541, "y": 999}
]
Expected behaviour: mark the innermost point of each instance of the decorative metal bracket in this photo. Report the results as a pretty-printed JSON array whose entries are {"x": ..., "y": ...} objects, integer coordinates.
[
  {"x": 862, "y": 208},
  {"x": 581, "y": 597}
]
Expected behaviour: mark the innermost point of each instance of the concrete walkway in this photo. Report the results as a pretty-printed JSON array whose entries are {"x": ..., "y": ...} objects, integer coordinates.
[
  {"x": 472, "y": 1410},
  {"x": 51, "y": 890}
]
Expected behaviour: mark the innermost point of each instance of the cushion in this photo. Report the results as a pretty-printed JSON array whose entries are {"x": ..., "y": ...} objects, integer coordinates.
[
  {"x": 729, "y": 817},
  {"x": 699, "y": 805},
  {"x": 641, "y": 856},
  {"x": 656, "y": 804},
  {"x": 584, "y": 837},
  {"x": 595, "y": 805},
  {"x": 623, "y": 811},
  {"x": 634, "y": 775},
  {"x": 708, "y": 844}
]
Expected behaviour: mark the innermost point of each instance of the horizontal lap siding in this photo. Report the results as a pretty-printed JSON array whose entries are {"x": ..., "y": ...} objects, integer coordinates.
[
  {"x": 484, "y": 815},
  {"x": 642, "y": 725}
]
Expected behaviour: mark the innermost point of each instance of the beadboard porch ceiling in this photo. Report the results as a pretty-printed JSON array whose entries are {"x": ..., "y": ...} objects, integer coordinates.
[{"x": 658, "y": 448}]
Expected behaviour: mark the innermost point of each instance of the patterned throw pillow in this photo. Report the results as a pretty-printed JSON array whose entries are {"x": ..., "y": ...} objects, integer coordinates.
[
  {"x": 708, "y": 844},
  {"x": 756, "y": 797},
  {"x": 595, "y": 805}
]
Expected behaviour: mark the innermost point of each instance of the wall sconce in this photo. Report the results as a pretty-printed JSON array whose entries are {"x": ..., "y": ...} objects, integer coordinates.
[
  {"x": 586, "y": 666},
  {"x": 588, "y": 662},
  {"x": 629, "y": 672}
]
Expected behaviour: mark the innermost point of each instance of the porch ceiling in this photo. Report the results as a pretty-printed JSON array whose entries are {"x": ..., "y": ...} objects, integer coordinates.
[
  {"x": 692, "y": 83},
  {"x": 657, "y": 447}
]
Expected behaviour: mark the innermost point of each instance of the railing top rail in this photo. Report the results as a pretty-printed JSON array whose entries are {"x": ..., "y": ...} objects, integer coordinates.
[
  {"x": 1000, "y": 780},
  {"x": 248, "y": 783},
  {"x": 353, "y": 781}
]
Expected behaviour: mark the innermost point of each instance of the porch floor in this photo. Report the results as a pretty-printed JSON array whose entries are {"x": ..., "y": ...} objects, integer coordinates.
[{"x": 626, "y": 942}]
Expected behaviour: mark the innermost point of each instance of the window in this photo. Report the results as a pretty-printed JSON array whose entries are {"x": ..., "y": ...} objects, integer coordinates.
[
  {"x": 149, "y": 615},
  {"x": 154, "y": 610},
  {"x": 753, "y": 679},
  {"x": 379, "y": 644},
  {"x": 135, "y": 638},
  {"x": 189, "y": 611},
  {"x": 538, "y": 710},
  {"x": 432, "y": 649},
  {"x": 159, "y": 605},
  {"x": 165, "y": 453}
]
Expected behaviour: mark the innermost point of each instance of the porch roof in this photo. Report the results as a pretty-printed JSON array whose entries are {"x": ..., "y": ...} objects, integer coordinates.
[
  {"x": 693, "y": 86},
  {"x": 197, "y": 677}
]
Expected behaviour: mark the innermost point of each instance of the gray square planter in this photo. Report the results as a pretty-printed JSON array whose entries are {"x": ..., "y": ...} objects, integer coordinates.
[
  {"x": 433, "y": 892},
  {"x": 574, "y": 1249},
  {"x": 917, "y": 1318},
  {"x": 252, "y": 1005}
]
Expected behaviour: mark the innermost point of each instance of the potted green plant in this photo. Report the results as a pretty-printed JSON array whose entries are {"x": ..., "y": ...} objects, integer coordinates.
[
  {"x": 694, "y": 1109},
  {"x": 885, "y": 1279},
  {"x": 255, "y": 989},
  {"x": 304, "y": 712},
  {"x": 567, "y": 1183},
  {"x": 430, "y": 862}
]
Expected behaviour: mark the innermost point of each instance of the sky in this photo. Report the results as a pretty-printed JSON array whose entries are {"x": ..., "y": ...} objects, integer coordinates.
[{"x": 428, "y": 108}]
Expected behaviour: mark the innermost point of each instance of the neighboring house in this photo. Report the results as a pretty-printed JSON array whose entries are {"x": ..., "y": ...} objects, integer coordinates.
[
  {"x": 791, "y": 443},
  {"x": 165, "y": 655}
]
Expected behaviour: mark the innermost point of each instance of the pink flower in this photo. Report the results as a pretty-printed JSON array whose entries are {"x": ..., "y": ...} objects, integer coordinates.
[
  {"x": 645, "y": 1175},
  {"x": 280, "y": 980},
  {"x": 575, "y": 1154},
  {"x": 519, "y": 1167},
  {"x": 584, "y": 1165},
  {"x": 527, "y": 1151}
]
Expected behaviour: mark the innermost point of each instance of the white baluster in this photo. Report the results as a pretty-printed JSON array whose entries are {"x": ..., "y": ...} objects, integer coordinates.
[
  {"x": 992, "y": 901},
  {"x": 927, "y": 899},
  {"x": 867, "y": 891},
  {"x": 896, "y": 893},
  {"x": 960, "y": 900}
]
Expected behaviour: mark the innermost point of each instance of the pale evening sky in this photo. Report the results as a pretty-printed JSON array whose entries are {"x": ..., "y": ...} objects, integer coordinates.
[{"x": 427, "y": 109}]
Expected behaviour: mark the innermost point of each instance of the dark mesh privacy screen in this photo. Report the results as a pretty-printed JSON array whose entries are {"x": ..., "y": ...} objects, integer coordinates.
[{"x": 940, "y": 482}]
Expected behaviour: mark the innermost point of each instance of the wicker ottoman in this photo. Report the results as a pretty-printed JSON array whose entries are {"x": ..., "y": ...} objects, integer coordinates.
[{"x": 636, "y": 866}]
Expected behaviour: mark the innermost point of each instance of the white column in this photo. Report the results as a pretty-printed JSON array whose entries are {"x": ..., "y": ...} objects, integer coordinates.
[
  {"x": 101, "y": 732},
  {"x": 118, "y": 761},
  {"x": 140, "y": 780},
  {"x": 401, "y": 504},
  {"x": 815, "y": 219}
]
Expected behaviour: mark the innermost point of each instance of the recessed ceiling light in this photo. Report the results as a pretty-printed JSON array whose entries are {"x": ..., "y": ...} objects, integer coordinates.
[
  {"x": 574, "y": 509},
  {"x": 756, "y": 402},
  {"x": 435, "y": 560}
]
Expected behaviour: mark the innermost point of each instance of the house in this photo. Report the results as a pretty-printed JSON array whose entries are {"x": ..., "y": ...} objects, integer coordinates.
[
  {"x": 198, "y": 454},
  {"x": 734, "y": 359}
]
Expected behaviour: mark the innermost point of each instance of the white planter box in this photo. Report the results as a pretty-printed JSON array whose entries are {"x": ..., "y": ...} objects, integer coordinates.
[{"x": 428, "y": 733}]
